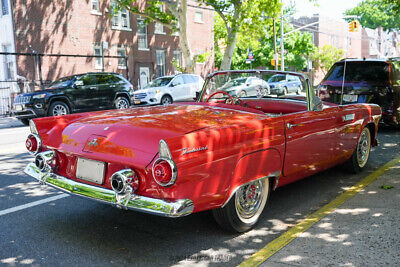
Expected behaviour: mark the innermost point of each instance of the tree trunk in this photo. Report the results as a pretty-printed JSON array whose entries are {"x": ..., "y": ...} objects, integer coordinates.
[
  {"x": 230, "y": 48},
  {"x": 184, "y": 40}
]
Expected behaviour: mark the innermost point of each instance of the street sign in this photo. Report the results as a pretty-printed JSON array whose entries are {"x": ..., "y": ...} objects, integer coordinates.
[
  {"x": 248, "y": 61},
  {"x": 250, "y": 55}
]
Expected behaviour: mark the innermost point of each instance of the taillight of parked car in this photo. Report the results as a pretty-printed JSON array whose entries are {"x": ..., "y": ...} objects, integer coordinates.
[{"x": 164, "y": 168}]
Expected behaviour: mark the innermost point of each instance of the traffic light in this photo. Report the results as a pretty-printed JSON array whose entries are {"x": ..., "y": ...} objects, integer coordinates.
[{"x": 354, "y": 26}]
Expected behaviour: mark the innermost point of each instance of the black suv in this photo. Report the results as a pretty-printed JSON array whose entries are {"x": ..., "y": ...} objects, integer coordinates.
[
  {"x": 365, "y": 81},
  {"x": 76, "y": 93}
]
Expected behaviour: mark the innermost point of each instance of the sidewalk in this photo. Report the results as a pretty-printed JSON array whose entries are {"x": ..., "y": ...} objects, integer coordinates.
[
  {"x": 364, "y": 231},
  {"x": 9, "y": 122}
]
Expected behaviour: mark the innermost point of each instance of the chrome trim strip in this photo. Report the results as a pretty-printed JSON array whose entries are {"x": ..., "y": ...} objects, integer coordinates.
[
  {"x": 178, "y": 208},
  {"x": 272, "y": 175}
]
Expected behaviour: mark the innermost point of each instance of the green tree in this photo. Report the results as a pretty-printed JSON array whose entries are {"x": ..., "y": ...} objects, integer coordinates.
[
  {"x": 298, "y": 46},
  {"x": 173, "y": 16},
  {"x": 324, "y": 57},
  {"x": 248, "y": 17},
  {"x": 375, "y": 13}
]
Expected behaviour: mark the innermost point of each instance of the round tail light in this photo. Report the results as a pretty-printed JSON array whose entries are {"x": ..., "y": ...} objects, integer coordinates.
[
  {"x": 33, "y": 143},
  {"x": 164, "y": 172}
]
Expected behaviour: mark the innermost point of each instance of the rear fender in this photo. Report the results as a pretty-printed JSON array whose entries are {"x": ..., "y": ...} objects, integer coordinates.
[{"x": 264, "y": 164}]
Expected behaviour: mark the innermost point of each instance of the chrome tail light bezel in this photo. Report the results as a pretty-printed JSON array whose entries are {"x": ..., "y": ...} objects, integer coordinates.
[
  {"x": 174, "y": 172},
  {"x": 38, "y": 143}
]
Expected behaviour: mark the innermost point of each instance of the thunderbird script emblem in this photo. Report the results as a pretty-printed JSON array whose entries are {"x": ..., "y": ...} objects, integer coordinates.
[{"x": 192, "y": 150}]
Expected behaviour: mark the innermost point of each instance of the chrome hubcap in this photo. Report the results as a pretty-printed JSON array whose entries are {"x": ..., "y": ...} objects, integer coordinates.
[
  {"x": 59, "y": 110},
  {"x": 122, "y": 103},
  {"x": 363, "y": 148},
  {"x": 249, "y": 198}
]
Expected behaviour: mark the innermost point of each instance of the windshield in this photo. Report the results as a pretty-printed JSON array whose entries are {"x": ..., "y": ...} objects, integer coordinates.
[
  {"x": 63, "y": 82},
  {"x": 159, "y": 82},
  {"x": 277, "y": 78},
  {"x": 225, "y": 86}
]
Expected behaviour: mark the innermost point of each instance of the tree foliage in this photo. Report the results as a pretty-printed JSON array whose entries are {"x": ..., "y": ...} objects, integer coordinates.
[
  {"x": 246, "y": 17},
  {"x": 324, "y": 57},
  {"x": 298, "y": 46},
  {"x": 375, "y": 13}
]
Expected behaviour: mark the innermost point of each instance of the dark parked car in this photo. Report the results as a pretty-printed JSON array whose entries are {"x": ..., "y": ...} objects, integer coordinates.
[
  {"x": 365, "y": 81},
  {"x": 76, "y": 93},
  {"x": 283, "y": 84}
]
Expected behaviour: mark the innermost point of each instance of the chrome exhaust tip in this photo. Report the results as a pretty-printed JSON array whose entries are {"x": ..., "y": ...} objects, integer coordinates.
[
  {"x": 43, "y": 159},
  {"x": 124, "y": 181}
]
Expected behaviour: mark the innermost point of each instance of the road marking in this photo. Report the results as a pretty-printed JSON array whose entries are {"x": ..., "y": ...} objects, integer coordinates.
[
  {"x": 32, "y": 204},
  {"x": 287, "y": 237}
]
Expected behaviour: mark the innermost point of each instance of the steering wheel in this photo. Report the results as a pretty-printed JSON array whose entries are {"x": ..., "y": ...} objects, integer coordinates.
[{"x": 232, "y": 101}]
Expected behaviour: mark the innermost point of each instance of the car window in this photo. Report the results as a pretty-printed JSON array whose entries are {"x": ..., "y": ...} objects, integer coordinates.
[
  {"x": 159, "y": 82},
  {"x": 63, "y": 82},
  {"x": 195, "y": 78},
  {"x": 89, "y": 80},
  {"x": 187, "y": 79},
  {"x": 178, "y": 81},
  {"x": 104, "y": 78},
  {"x": 115, "y": 79},
  {"x": 374, "y": 72},
  {"x": 277, "y": 78}
]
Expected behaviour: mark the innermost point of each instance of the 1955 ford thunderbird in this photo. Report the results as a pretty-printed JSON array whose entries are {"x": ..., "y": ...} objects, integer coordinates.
[{"x": 224, "y": 152}]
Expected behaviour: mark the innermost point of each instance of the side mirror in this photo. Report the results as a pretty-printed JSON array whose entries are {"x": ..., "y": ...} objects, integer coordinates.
[{"x": 197, "y": 96}]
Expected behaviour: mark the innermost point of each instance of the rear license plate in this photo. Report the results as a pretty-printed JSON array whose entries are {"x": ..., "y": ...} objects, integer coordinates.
[
  {"x": 90, "y": 170},
  {"x": 18, "y": 107},
  {"x": 137, "y": 101},
  {"x": 350, "y": 98}
]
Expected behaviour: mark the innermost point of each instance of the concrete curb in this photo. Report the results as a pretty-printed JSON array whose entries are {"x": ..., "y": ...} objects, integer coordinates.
[{"x": 10, "y": 122}]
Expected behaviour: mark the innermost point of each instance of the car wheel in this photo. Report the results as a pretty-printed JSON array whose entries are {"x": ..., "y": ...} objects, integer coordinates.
[
  {"x": 121, "y": 103},
  {"x": 244, "y": 208},
  {"x": 299, "y": 90},
  {"x": 360, "y": 157},
  {"x": 24, "y": 121},
  {"x": 166, "y": 100},
  {"x": 242, "y": 94},
  {"x": 58, "y": 108}
]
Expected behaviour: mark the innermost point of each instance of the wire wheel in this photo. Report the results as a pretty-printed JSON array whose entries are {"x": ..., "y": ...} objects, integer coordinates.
[
  {"x": 250, "y": 200},
  {"x": 363, "y": 148}
]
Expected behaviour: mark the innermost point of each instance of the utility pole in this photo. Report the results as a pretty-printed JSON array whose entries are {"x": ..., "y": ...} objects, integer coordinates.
[
  {"x": 275, "y": 54},
  {"x": 282, "y": 43}
]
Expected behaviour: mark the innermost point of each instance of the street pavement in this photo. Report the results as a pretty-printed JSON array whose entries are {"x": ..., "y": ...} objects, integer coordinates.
[
  {"x": 75, "y": 231},
  {"x": 9, "y": 122}
]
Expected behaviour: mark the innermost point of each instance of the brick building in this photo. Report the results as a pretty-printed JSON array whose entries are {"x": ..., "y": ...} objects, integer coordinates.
[{"x": 82, "y": 26}]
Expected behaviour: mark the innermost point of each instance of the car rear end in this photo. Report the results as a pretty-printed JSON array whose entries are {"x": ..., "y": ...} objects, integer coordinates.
[{"x": 364, "y": 81}]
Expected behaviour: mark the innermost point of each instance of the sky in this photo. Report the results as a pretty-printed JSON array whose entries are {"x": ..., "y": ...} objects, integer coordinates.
[{"x": 329, "y": 8}]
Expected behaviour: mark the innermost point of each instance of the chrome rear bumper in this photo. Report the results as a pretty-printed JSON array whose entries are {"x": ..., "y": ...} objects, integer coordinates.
[{"x": 154, "y": 206}]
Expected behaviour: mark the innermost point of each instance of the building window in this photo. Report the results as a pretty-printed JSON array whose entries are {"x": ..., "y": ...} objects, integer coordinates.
[
  {"x": 120, "y": 20},
  {"x": 198, "y": 17},
  {"x": 142, "y": 35},
  {"x": 95, "y": 6},
  {"x": 159, "y": 28},
  {"x": 98, "y": 62},
  {"x": 177, "y": 60},
  {"x": 121, "y": 52},
  {"x": 8, "y": 64},
  {"x": 4, "y": 7},
  {"x": 160, "y": 60}
]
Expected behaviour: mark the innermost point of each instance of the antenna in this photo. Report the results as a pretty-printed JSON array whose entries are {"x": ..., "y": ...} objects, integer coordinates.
[{"x": 344, "y": 75}]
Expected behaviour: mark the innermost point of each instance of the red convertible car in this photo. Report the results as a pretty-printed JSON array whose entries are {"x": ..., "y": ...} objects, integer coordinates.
[{"x": 220, "y": 153}]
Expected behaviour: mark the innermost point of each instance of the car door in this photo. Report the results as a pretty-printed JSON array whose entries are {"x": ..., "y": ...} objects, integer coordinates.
[
  {"x": 106, "y": 89},
  {"x": 190, "y": 87},
  {"x": 83, "y": 94},
  {"x": 310, "y": 142},
  {"x": 177, "y": 88}
]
